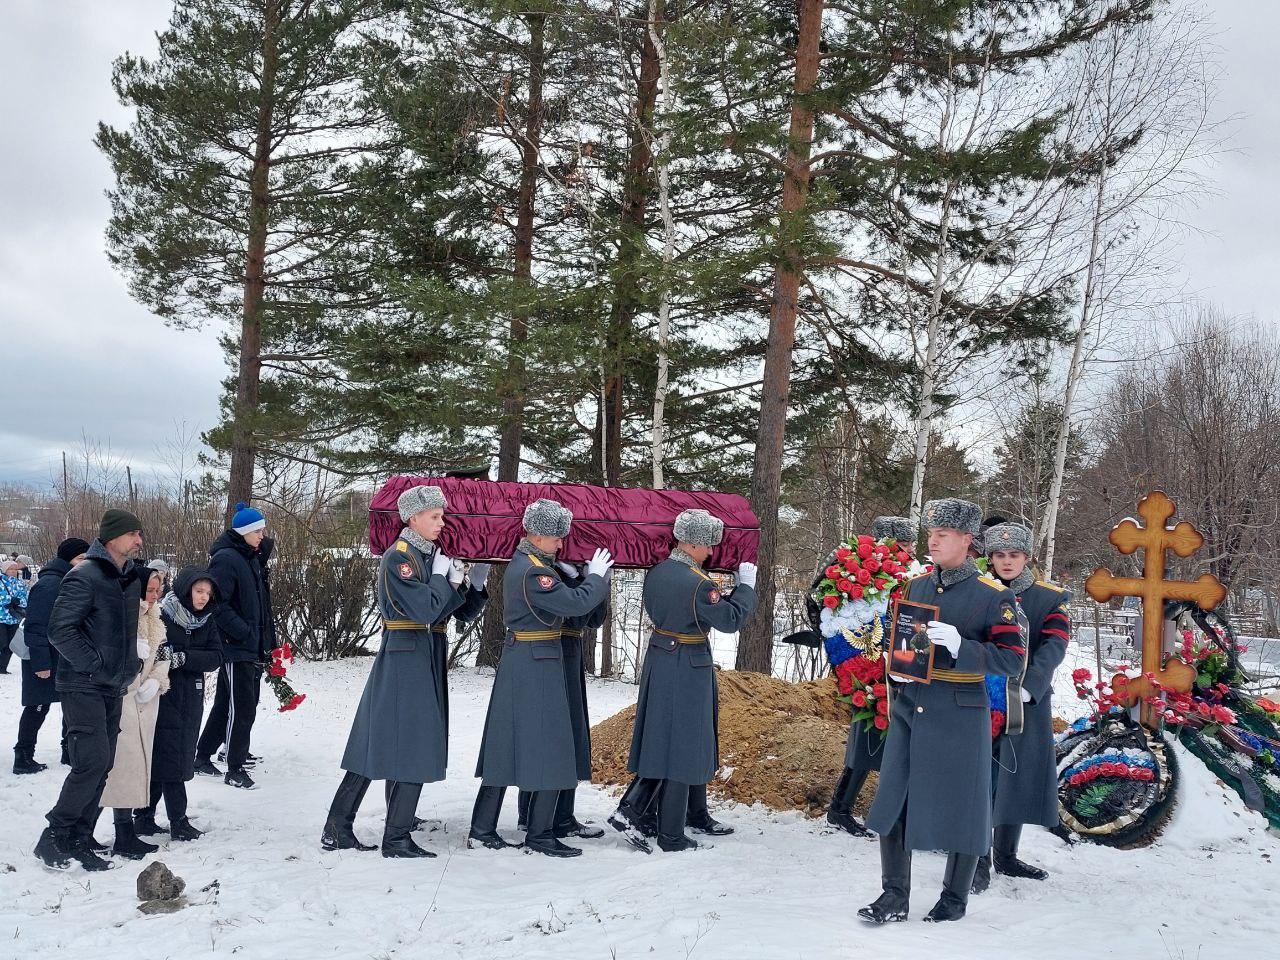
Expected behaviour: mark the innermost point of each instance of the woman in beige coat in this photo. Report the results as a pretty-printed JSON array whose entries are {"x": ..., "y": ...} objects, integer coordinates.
[{"x": 129, "y": 783}]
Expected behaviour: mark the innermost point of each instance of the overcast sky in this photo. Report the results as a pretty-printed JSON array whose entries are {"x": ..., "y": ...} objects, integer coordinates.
[{"x": 79, "y": 358}]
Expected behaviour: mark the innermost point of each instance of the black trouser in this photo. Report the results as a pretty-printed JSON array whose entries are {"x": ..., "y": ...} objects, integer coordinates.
[
  {"x": 93, "y": 724},
  {"x": 175, "y": 799},
  {"x": 230, "y": 720},
  {"x": 29, "y": 723},
  {"x": 7, "y": 630}
]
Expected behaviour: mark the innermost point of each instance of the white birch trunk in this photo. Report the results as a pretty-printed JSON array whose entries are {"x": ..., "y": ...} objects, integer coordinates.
[{"x": 661, "y": 152}]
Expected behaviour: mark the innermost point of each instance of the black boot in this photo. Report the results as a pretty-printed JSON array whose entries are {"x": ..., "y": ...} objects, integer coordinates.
[
  {"x": 144, "y": 823},
  {"x": 182, "y": 830},
  {"x": 127, "y": 844},
  {"x": 1006, "y": 854},
  {"x": 54, "y": 848},
  {"x": 85, "y": 850},
  {"x": 840, "y": 813},
  {"x": 522, "y": 809},
  {"x": 205, "y": 767},
  {"x": 698, "y": 818},
  {"x": 396, "y": 841},
  {"x": 982, "y": 875},
  {"x": 484, "y": 819},
  {"x": 239, "y": 778},
  {"x": 541, "y": 837},
  {"x": 418, "y": 822},
  {"x": 895, "y": 879},
  {"x": 634, "y": 811},
  {"x": 568, "y": 825},
  {"x": 955, "y": 888},
  {"x": 338, "y": 831},
  {"x": 673, "y": 808},
  {"x": 24, "y": 762}
]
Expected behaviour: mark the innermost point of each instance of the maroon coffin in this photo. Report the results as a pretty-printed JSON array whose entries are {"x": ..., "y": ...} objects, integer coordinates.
[{"x": 483, "y": 521}]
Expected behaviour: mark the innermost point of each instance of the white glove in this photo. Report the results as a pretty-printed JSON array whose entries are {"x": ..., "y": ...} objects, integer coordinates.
[
  {"x": 456, "y": 572},
  {"x": 568, "y": 568},
  {"x": 945, "y": 635},
  {"x": 144, "y": 649},
  {"x": 479, "y": 574},
  {"x": 747, "y": 574},
  {"x": 440, "y": 564},
  {"x": 147, "y": 690},
  {"x": 1026, "y": 695},
  {"x": 600, "y": 564},
  {"x": 903, "y": 680}
]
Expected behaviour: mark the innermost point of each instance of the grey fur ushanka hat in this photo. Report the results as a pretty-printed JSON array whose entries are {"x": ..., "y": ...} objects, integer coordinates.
[
  {"x": 698, "y": 528},
  {"x": 547, "y": 518},
  {"x": 1007, "y": 536},
  {"x": 416, "y": 499},
  {"x": 952, "y": 513},
  {"x": 898, "y": 529}
]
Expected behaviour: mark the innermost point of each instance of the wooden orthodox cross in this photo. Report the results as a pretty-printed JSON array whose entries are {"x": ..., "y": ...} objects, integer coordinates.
[{"x": 1154, "y": 537}]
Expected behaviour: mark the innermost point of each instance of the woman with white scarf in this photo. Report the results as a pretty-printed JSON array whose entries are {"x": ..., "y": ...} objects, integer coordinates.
[{"x": 129, "y": 783}]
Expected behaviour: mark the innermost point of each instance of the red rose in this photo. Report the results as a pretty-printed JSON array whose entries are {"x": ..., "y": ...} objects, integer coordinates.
[
  {"x": 872, "y": 564},
  {"x": 842, "y": 552},
  {"x": 864, "y": 551},
  {"x": 831, "y": 602},
  {"x": 879, "y": 690},
  {"x": 881, "y": 583},
  {"x": 277, "y": 670},
  {"x": 882, "y": 550},
  {"x": 843, "y": 585},
  {"x": 1080, "y": 674},
  {"x": 863, "y": 577},
  {"x": 882, "y": 723},
  {"x": 865, "y": 541},
  {"x": 856, "y": 592},
  {"x": 903, "y": 557},
  {"x": 882, "y": 707},
  {"x": 833, "y": 571},
  {"x": 859, "y": 698}
]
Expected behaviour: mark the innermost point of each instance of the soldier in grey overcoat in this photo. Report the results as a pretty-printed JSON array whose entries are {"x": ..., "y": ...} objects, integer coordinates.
[
  {"x": 528, "y": 739},
  {"x": 1026, "y": 773},
  {"x": 674, "y": 743},
  {"x": 399, "y": 733},
  {"x": 575, "y": 685},
  {"x": 864, "y": 749},
  {"x": 935, "y": 779}
]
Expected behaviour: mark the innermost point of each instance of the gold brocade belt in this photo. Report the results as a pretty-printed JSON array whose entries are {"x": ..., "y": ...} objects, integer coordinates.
[
  {"x": 536, "y": 634},
  {"x": 682, "y": 637},
  {"x": 403, "y": 625},
  {"x": 955, "y": 676},
  {"x": 570, "y": 632}
]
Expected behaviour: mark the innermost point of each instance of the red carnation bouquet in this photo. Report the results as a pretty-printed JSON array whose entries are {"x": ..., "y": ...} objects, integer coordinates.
[{"x": 289, "y": 698}]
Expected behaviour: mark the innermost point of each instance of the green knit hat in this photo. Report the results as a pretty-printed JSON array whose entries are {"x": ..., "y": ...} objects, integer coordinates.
[{"x": 116, "y": 523}]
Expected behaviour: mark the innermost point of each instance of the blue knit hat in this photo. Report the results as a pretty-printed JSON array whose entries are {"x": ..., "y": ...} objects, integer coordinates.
[{"x": 247, "y": 519}]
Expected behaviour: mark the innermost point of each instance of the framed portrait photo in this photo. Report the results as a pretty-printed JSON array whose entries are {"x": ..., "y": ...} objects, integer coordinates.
[{"x": 910, "y": 650}]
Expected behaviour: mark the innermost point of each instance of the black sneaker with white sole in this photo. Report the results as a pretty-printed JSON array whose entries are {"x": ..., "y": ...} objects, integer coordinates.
[
  {"x": 205, "y": 768},
  {"x": 239, "y": 778}
]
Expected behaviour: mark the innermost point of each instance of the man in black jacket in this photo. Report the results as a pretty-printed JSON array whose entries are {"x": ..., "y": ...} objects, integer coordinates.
[
  {"x": 238, "y": 566},
  {"x": 94, "y": 628}
]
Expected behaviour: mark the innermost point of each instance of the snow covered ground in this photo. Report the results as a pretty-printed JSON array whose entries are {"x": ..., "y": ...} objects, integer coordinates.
[{"x": 781, "y": 887}]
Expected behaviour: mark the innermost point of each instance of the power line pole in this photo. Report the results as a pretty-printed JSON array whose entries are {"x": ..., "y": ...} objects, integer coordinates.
[{"x": 66, "y": 502}]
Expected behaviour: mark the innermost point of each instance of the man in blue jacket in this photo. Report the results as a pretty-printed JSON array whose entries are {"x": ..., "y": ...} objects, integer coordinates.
[{"x": 238, "y": 566}]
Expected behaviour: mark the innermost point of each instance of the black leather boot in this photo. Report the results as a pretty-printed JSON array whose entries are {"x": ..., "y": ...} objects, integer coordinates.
[
  {"x": 698, "y": 818},
  {"x": 24, "y": 762},
  {"x": 484, "y": 819},
  {"x": 127, "y": 844},
  {"x": 635, "y": 810},
  {"x": 955, "y": 888},
  {"x": 895, "y": 879},
  {"x": 339, "y": 832},
  {"x": 522, "y": 809},
  {"x": 541, "y": 837},
  {"x": 1006, "y": 859},
  {"x": 982, "y": 875},
  {"x": 418, "y": 822},
  {"x": 845, "y": 795},
  {"x": 54, "y": 848},
  {"x": 396, "y": 841},
  {"x": 567, "y": 824},
  {"x": 673, "y": 808}
]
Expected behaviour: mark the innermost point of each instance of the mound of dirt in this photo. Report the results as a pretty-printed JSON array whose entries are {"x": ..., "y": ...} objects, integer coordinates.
[{"x": 781, "y": 744}]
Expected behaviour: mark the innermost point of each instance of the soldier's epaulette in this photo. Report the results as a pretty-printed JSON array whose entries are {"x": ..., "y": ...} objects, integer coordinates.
[
  {"x": 535, "y": 561},
  {"x": 991, "y": 582},
  {"x": 1052, "y": 586},
  {"x": 401, "y": 546}
]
